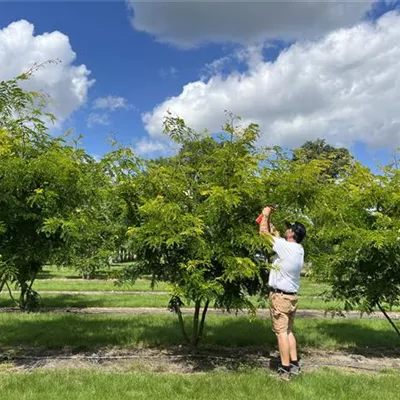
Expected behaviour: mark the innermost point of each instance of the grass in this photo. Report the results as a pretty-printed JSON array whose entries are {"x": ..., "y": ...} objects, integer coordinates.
[
  {"x": 133, "y": 300},
  {"x": 91, "y": 332},
  {"x": 141, "y": 285},
  {"x": 308, "y": 293},
  {"x": 95, "y": 300},
  {"x": 308, "y": 288},
  {"x": 311, "y": 288},
  {"x": 53, "y": 271},
  {"x": 144, "y": 300},
  {"x": 88, "y": 385}
]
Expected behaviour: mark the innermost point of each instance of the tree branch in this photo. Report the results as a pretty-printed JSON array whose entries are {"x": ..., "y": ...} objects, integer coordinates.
[
  {"x": 203, "y": 318},
  {"x": 388, "y": 318},
  {"x": 10, "y": 293},
  {"x": 181, "y": 323}
]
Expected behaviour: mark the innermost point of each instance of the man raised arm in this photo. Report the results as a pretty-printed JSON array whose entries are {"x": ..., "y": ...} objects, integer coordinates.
[{"x": 284, "y": 282}]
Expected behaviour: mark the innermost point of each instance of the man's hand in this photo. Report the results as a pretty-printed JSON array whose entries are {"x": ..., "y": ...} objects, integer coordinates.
[
  {"x": 265, "y": 227},
  {"x": 267, "y": 211}
]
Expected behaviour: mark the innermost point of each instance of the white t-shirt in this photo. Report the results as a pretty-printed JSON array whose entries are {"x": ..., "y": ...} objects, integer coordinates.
[{"x": 287, "y": 264}]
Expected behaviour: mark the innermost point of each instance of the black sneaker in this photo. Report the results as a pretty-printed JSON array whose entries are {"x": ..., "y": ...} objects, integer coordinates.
[
  {"x": 283, "y": 374},
  {"x": 295, "y": 369}
]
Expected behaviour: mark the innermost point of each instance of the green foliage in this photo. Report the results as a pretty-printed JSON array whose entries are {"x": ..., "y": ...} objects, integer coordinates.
[
  {"x": 189, "y": 219},
  {"x": 44, "y": 185},
  {"x": 357, "y": 232},
  {"x": 196, "y": 216},
  {"x": 340, "y": 159}
]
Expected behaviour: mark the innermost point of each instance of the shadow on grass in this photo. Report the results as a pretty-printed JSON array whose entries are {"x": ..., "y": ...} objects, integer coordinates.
[
  {"x": 231, "y": 343},
  {"x": 95, "y": 300},
  {"x": 72, "y": 275},
  {"x": 97, "y": 331}
]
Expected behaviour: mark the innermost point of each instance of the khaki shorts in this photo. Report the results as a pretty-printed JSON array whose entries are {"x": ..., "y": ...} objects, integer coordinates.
[{"x": 283, "y": 309}]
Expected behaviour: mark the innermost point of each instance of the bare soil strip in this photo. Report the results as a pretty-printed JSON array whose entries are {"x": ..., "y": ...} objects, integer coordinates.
[
  {"x": 105, "y": 292},
  {"x": 263, "y": 313},
  {"x": 183, "y": 360}
]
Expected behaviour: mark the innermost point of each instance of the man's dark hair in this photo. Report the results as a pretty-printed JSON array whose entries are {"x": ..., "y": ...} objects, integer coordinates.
[{"x": 298, "y": 229}]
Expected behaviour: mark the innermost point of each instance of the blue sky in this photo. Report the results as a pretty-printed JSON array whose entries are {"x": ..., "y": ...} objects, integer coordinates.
[{"x": 132, "y": 58}]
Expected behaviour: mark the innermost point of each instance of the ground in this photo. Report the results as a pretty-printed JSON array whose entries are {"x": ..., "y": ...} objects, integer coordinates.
[{"x": 96, "y": 340}]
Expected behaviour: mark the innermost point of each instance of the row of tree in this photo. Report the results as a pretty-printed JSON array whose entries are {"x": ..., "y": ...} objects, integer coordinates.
[{"x": 189, "y": 219}]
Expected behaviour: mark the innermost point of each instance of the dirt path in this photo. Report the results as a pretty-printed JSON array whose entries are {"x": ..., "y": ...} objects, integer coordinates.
[
  {"x": 263, "y": 313},
  {"x": 181, "y": 360},
  {"x": 99, "y": 292},
  {"x": 128, "y": 292}
]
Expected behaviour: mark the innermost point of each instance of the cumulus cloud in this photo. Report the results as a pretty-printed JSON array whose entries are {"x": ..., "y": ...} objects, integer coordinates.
[
  {"x": 149, "y": 147},
  {"x": 170, "y": 72},
  {"x": 191, "y": 23},
  {"x": 111, "y": 103},
  {"x": 98, "y": 119},
  {"x": 108, "y": 104},
  {"x": 344, "y": 87},
  {"x": 66, "y": 84}
]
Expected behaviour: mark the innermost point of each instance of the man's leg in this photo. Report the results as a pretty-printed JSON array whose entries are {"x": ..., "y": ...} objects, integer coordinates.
[
  {"x": 280, "y": 324},
  {"x": 294, "y": 362},
  {"x": 284, "y": 348},
  {"x": 292, "y": 347}
]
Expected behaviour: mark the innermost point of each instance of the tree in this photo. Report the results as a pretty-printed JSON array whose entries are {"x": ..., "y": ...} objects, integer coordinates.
[
  {"x": 357, "y": 225},
  {"x": 91, "y": 231},
  {"x": 341, "y": 159},
  {"x": 194, "y": 221},
  {"x": 42, "y": 178}
]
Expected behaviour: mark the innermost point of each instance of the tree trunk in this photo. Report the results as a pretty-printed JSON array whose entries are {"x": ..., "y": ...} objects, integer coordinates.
[
  {"x": 388, "y": 318},
  {"x": 181, "y": 323},
  {"x": 22, "y": 296},
  {"x": 196, "y": 321},
  {"x": 203, "y": 318},
  {"x": 10, "y": 293}
]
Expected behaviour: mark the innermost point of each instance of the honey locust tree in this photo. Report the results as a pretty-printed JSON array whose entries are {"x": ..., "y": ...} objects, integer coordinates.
[
  {"x": 194, "y": 227},
  {"x": 42, "y": 179},
  {"x": 357, "y": 229}
]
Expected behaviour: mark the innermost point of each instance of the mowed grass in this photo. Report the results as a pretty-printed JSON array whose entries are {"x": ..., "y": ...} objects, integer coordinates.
[
  {"x": 310, "y": 292},
  {"x": 54, "y": 271},
  {"x": 95, "y": 300},
  {"x": 137, "y": 300},
  {"x": 150, "y": 300},
  {"x": 88, "y": 385},
  {"x": 90, "y": 332},
  {"x": 56, "y": 278},
  {"x": 141, "y": 285},
  {"x": 308, "y": 287}
]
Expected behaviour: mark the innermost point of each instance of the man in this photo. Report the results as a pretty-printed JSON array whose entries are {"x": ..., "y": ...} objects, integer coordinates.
[{"x": 284, "y": 281}]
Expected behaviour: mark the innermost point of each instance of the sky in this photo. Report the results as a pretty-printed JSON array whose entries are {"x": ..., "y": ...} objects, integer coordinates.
[{"x": 301, "y": 70}]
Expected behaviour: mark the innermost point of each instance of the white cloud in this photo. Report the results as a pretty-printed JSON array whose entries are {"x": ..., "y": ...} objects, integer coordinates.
[
  {"x": 111, "y": 103},
  {"x": 170, "y": 72},
  {"x": 188, "y": 24},
  {"x": 148, "y": 147},
  {"x": 98, "y": 119},
  {"x": 66, "y": 84},
  {"x": 344, "y": 87}
]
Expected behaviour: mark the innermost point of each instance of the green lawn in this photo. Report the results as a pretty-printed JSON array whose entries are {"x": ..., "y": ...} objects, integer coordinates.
[
  {"x": 52, "y": 271},
  {"x": 141, "y": 285},
  {"x": 308, "y": 288},
  {"x": 144, "y": 300},
  {"x": 88, "y": 385},
  {"x": 91, "y": 332},
  {"x": 308, "y": 293},
  {"x": 311, "y": 288},
  {"x": 95, "y": 300}
]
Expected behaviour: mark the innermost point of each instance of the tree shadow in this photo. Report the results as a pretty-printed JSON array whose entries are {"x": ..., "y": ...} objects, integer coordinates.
[{"x": 228, "y": 343}]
